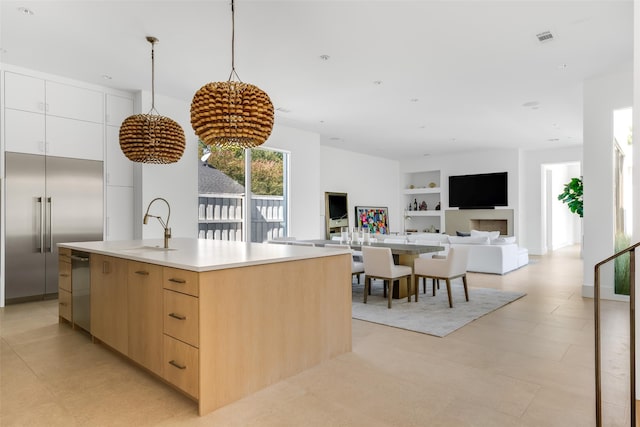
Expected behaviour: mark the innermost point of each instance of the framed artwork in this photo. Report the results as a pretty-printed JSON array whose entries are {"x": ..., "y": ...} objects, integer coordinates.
[{"x": 376, "y": 219}]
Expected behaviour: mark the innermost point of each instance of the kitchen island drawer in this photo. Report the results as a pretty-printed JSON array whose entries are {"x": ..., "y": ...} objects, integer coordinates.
[
  {"x": 64, "y": 304},
  {"x": 64, "y": 274},
  {"x": 181, "y": 317},
  {"x": 180, "y": 280},
  {"x": 180, "y": 366}
]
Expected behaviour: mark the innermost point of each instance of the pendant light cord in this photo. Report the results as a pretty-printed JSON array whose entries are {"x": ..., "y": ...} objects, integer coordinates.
[
  {"x": 233, "y": 44},
  {"x": 153, "y": 42}
]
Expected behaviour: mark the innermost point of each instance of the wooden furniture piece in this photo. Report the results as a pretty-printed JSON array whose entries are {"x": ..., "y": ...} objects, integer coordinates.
[
  {"x": 65, "y": 300},
  {"x": 449, "y": 268},
  {"x": 378, "y": 264},
  {"x": 357, "y": 267},
  {"x": 220, "y": 320}
]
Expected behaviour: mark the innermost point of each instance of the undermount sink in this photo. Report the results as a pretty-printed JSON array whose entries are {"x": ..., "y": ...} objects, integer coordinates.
[{"x": 148, "y": 249}]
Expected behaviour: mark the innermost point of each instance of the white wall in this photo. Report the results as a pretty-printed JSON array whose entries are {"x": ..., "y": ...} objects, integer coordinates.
[
  {"x": 367, "y": 180},
  {"x": 636, "y": 161},
  {"x": 532, "y": 210},
  {"x": 602, "y": 95},
  {"x": 178, "y": 182},
  {"x": 563, "y": 225},
  {"x": 472, "y": 163},
  {"x": 305, "y": 208},
  {"x": 175, "y": 182}
]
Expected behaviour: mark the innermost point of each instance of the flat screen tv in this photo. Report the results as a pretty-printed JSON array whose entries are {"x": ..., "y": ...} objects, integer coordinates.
[{"x": 481, "y": 191}]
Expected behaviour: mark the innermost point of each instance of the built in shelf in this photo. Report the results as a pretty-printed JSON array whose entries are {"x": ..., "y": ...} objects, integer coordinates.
[
  {"x": 424, "y": 190},
  {"x": 423, "y": 213}
]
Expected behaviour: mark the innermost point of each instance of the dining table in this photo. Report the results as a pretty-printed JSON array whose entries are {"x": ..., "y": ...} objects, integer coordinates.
[{"x": 403, "y": 254}]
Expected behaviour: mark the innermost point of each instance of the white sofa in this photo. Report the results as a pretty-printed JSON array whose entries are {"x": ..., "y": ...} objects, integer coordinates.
[{"x": 497, "y": 255}]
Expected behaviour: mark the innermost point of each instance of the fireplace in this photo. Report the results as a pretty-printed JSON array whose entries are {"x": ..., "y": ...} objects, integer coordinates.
[
  {"x": 465, "y": 220},
  {"x": 501, "y": 225}
]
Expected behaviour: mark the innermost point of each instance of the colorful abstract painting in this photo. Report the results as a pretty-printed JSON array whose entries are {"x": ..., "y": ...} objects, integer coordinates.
[{"x": 376, "y": 219}]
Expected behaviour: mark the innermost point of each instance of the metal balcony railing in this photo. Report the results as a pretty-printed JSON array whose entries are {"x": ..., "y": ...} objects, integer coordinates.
[{"x": 632, "y": 332}]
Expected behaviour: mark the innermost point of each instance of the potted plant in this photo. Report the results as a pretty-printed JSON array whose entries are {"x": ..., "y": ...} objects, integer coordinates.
[{"x": 572, "y": 195}]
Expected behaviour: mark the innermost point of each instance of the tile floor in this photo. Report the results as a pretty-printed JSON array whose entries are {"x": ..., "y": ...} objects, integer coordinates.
[{"x": 527, "y": 364}]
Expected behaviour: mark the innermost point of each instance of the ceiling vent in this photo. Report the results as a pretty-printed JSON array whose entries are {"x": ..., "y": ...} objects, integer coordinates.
[{"x": 545, "y": 37}]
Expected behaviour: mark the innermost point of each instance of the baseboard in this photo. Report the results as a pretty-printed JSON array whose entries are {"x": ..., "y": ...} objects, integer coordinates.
[{"x": 605, "y": 293}]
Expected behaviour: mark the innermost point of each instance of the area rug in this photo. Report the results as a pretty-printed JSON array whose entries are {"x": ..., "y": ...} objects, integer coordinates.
[{"x": 430, "y": 315}]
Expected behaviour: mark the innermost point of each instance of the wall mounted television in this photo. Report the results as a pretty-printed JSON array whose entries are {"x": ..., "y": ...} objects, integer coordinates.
[
  {"x": 337, "y": 209},
  {"x": 480, "y": 191}
]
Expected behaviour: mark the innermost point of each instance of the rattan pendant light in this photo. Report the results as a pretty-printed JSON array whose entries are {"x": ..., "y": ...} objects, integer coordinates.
[
  {"x": 232, "y": 113},
  {"x": 151, "y": 138}
]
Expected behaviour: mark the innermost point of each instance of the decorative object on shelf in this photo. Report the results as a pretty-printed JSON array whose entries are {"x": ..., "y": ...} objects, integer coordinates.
[
  {"x": 438, "y": 206},
  {"x": 411, "y": 187},
  {"x": 409, "y": 207},
  {"x": 232, "y": 113},
  {"x": 572, "y": 195},
  {"x": 376, "y": 219},
  {"x": 415, "y": 204},
  {"x": 151, "y": 138},
  {"x": 432, "y": 185},
  {"x": 432, "y": 229},
  {"x": 423, "y": 206}
]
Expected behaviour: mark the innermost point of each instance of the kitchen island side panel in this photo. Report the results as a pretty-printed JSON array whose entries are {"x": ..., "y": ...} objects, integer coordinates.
[{"x": 261, "y": 324}]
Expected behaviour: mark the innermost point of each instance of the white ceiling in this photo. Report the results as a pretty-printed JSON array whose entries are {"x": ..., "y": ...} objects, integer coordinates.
[{"x": 456, "y": 75}]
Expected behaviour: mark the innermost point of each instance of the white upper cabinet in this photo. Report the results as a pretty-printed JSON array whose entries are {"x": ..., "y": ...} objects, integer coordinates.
[
  {"x": 74, "y": 138},
  {"x": 24, "y": 132},
  {"x": 24, "y": 93},
  {"x": 118, "y": 109},
  {"x": 119, "y": 219},
  {"x": 119, "y": 168},
  {"x": 74, "y": 102}
]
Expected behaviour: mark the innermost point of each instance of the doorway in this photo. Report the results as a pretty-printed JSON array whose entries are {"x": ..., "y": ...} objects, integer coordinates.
[{"x": 560, "y": 226}]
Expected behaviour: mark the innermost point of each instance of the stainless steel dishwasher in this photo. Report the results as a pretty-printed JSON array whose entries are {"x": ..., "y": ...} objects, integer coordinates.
[{"x": 81, "y": 290}]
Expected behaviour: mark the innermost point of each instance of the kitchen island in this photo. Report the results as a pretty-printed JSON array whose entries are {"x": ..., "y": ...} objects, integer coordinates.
[{"x": 219, "y": 320}]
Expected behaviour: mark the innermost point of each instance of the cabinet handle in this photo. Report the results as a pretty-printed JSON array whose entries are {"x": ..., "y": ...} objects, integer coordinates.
[
  {"x": 142, "y": 272},
  {"x": 64, "y": 275},
  {"x": 105, "y": 267},
  {"x": 177, "y": 365},
  {"x": 64, "y": 304},
  {"x": 178, "y": 316},
  {"x": 182, "y": 281}
]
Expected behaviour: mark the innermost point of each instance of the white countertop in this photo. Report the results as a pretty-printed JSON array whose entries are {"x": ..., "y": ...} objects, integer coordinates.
[{"x": 201, "y": 254}]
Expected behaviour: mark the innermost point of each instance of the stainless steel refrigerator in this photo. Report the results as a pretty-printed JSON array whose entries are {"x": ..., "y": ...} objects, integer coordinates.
[{"x": 49, "y": 200}]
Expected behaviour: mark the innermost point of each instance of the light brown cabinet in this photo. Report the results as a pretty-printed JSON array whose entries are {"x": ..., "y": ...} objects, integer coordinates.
[
  {"x": 144, "y": 293},
  {"x": 64, "y": 285},
  {"x": 109, "y": 301}
]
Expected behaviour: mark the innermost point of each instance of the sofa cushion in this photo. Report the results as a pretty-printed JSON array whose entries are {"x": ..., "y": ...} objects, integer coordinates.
[
  {"x": 507, "y": 240},
  {"x": 489, "y": 234}
]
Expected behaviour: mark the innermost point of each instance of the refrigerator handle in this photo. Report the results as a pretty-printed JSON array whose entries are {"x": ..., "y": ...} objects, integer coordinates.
[
  {"x": 40, "y": 225},
  {"x": 50, "y": 231}
]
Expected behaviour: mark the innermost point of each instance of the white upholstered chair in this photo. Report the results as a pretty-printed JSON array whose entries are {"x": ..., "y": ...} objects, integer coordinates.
[
  {"x": 357, "y": 267},
  {"x": 449, "y": 268},
  {"x": 378, "y": 264}
]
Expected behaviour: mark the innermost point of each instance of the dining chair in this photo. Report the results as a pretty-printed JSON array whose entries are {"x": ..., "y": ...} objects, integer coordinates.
[
  {"x": 447, "y": 269},
  {"x": 378, "y": 264},
  {"x": 357, "y": 267}
]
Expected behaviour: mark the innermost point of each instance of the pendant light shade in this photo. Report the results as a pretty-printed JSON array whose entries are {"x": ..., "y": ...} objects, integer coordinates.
[
  {"x": 232, "y": 113},
  {"x": 151, "y": 138}
]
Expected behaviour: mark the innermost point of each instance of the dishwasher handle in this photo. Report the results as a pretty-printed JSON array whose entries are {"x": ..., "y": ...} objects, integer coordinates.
[{"x": 79, "y": 258}]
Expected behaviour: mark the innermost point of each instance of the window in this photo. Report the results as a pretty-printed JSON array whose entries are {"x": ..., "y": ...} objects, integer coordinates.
[{"x": 222, "y": 179}]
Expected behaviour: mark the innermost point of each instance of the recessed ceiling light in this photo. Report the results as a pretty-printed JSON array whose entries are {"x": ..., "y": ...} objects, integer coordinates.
[
  {"x": 107, "y": 77},
  {"x": 283, "y": 110},
  {"x": 562, "y": 67},
  {"x": 325, "y": 57},
  {"x": 553, "y": 139},
  {"x": 3, "y": 50},
  {"x": 531, "y": 104},
  {"x": 25, "y": 11},
  {"x": 377, "y": 82},
  {"x": 335, "y": 138},
  {"x": 414, "y": 100},
  {"x": 426, "y": 154},
  {"x": 321, "y": 121},
  {"x": 422, "y": 127}
]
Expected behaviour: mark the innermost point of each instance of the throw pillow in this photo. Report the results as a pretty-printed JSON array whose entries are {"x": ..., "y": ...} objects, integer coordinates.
[
  {"x": 489, "y": 234},
  {"x": 469, "y": 240},
  {"x": 504, "y": 240}
]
